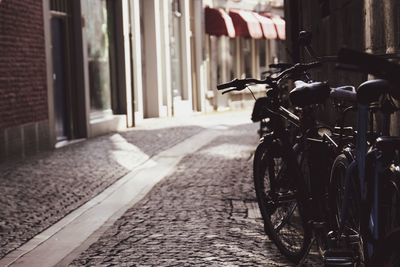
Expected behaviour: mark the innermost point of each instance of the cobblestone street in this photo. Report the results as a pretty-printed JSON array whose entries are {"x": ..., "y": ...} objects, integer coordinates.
[
  {"x": 226, "y": 133},
  {"x": 37, "y": 192},
  {"x": 204, "y": 213},
  {"x": 201, "y": 215}
]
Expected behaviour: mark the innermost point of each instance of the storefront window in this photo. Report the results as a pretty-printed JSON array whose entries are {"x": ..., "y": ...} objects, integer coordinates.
[
  {"x": 232, "y": 59},
  {"x": 97, "y": 29},
  {"x": 215, "y": 72},
  {"x": 175, "y": 49},
  {"x": 263, "y": 55},
  {"x": 247, "y": 60}
]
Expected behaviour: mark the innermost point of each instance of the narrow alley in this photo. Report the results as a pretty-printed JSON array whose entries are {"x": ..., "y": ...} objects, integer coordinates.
[
  {"x": 199, "y": 133},
  {"x": 202, "y": 213}
]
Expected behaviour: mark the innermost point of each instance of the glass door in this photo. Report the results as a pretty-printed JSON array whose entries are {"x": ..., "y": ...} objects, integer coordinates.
[
  {"x": 98, "y": 34},
  {"x": 175, "y": 49}
]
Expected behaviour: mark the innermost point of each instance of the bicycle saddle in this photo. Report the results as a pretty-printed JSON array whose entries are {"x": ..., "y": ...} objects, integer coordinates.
[
  {"x": 305, "y": 94},
  {"x": 370, "y": 91}
]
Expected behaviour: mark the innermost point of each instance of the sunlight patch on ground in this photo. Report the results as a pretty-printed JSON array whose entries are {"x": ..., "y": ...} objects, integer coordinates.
[{"x": 125, "y": 153}]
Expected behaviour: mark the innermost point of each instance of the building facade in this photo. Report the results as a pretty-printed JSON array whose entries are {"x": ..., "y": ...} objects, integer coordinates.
[
  {"x": 247, "y": 38},
  {"x": 372, "y": 26},
  {"x": 23, "y": 87},
  {"x": 75, "y": 69}
]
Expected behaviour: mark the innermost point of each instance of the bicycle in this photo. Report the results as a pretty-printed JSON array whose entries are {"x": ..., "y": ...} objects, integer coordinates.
[
  {"x": 365, "y": 180},
  {"x": 283, "y": 193}
]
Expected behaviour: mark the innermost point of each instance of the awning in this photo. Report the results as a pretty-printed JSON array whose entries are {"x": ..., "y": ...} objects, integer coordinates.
[
  {"x": 280, "y": 27},
  {"x": 268, "y": 27},
  {"x": 218, "y": 22},
  {"x": 246, "y": 24}
]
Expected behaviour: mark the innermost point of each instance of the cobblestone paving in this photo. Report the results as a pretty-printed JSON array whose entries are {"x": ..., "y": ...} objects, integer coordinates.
[
  {"x": 37, "y": 192},
  {"x": 197, "y": 216}
]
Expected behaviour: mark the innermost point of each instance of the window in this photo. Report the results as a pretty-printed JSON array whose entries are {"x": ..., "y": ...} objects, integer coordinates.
[
  {"x": 60, "y": 6},
  {"x": 246, "y": 57},
  {"x": 175, "y": 49},
  {"x": 97, "y": 32},
  {"x": 263, "y": 55}
]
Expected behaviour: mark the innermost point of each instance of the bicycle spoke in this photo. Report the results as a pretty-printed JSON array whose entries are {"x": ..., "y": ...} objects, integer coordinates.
[{"x": 286, "y": 220}]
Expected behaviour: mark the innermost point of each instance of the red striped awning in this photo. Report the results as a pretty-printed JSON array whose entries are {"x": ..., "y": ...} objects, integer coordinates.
[
  {"x": 268, "y": 26},
  {"x": 246, "y": 24},
  {"x": 280, "y": 27},
  {"x": 218, "y": 22}
]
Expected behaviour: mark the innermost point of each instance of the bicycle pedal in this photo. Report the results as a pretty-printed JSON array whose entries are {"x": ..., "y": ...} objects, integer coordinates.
[{"x": 336, "y": 257}]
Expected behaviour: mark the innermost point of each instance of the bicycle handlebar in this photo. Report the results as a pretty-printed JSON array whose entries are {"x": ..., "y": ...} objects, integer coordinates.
[
  {"x": 297, "y": 68},
  {"x": 227, "y": 85},
  {"x": 371, "y": 64},
  {"x": 281, "y": 66},
  {"x": 240, "y": 84}
]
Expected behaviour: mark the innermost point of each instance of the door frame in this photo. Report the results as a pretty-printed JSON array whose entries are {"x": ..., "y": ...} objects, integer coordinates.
[{"x": 75, "y": 87}]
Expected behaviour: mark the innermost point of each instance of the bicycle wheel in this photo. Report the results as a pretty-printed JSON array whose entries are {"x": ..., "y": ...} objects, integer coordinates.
[
  {"x": 388, "y": 251},
  {"x": 336, "y": 195},
  {"x": 277, "y": 200}
]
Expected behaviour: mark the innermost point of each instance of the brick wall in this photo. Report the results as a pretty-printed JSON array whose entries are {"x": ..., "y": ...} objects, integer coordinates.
[
  {"x": 23, "y": 93},
  {"x": 24, "y": 128}
]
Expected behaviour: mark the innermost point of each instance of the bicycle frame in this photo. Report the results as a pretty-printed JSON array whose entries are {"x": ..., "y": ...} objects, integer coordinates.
[{"x": 369, "y": 182}]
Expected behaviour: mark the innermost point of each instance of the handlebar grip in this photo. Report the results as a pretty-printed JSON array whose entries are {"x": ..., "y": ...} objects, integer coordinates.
[
  {"x": 233, "y": 83},
  {"x": 344, "y": 93}
]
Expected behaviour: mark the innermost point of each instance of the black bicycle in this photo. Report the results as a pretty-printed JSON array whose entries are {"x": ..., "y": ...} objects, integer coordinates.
[
  {"x": 285, "y": 155},
  {"x": 365, "y": 179}
]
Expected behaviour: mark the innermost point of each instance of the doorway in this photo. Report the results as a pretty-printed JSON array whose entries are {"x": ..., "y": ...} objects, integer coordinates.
[{"x": 60, "y": 78}]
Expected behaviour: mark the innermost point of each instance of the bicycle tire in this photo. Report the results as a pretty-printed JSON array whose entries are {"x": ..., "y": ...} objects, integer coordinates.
[
  {"x": 387, "y": 253},
  {"x": 335, "y": 200},
  {"x": 338, "y": 171},
  {"x": 265, "y": 160}
]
